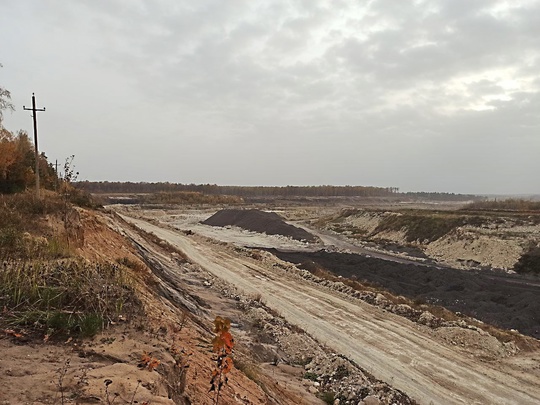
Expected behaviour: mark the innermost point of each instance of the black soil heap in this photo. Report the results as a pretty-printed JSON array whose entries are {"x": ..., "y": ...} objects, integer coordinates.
[
  {"x": 259, "y": 221},
  {"x": 504, "y": 300}
]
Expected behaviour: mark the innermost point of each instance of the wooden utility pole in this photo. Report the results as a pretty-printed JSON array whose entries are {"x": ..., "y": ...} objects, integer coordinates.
[
  {"x": 56, "y": 175},
  {"x": 34, "y": 111}
]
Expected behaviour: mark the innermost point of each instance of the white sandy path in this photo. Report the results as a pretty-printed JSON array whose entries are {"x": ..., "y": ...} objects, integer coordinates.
[{"x": 391, "y": 347}]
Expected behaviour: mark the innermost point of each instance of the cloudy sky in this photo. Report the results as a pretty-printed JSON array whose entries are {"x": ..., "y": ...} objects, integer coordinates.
[{"x": 424, "y": 95}]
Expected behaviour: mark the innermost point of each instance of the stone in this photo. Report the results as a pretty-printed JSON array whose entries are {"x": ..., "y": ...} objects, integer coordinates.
[
  {"x": 371, "y": 400},
  {"x": 426, "y": 318}
]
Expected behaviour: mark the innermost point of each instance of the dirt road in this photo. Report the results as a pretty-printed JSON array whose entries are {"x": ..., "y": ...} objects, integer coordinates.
[{"x": 390, "y": 347}]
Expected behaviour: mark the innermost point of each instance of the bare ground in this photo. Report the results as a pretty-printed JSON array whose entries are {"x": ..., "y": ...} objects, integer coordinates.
[
  {"x": 428, "y": 368},
  {"x": 174, "y": 329}
]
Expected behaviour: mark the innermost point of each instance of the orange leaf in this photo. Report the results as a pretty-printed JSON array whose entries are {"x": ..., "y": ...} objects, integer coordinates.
[
  {"x": 153, "y": 364},
  {"x": 145, "y": 358},
  {"x": 11, "y": 332},
  {"x": 228, "y": 365},
  {"x": 228, "y": 341}
]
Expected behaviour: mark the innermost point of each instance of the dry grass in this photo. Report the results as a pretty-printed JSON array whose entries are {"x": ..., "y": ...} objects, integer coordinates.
[
  {"x": 43, "y": 288},
  {"x": 426, "y": 226},
  {"x": 68, "y": 297}
]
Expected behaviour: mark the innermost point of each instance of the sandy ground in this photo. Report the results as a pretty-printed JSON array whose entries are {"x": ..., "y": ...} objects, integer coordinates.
[
  {"x": 37, "y": 371},
  {"x": 391, "y": 347},
  {"x": 191, "y": 220}
]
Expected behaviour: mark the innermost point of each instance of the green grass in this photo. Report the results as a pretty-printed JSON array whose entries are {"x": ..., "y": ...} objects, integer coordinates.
[
  {"x": 68, "y": 297},
  {"x": 328, "y": 397},
  {"x": 43, "y": 288},
  {"x": 308, "y": 375}
]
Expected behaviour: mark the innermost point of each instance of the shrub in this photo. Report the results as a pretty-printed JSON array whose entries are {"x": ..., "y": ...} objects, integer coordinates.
[
  {"x": 308, "y": 375},
  {"x": 421, "y": 227},
  {"x": 328, "y": 397},
  {"x": 529, "y": 262}
]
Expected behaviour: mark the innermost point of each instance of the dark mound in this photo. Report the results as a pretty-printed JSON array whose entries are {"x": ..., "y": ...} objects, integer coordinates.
[
  {"x": 258, "y": 221},
  {"x": 503, "y": 300}
]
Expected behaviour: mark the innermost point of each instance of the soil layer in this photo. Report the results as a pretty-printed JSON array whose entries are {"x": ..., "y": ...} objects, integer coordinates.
[{"x": 506, "y": 301}]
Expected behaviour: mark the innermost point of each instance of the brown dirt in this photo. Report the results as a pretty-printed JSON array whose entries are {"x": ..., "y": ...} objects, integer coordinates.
[
  {"x": 426, "y": 366},
  {"x": 34, "y": 371}
]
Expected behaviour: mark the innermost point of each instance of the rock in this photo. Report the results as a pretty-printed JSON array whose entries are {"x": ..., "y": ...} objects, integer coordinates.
[
  {"x": 380, "y": 299},
  {"x": 427, "y": 318},
  {"x": 403, "y": 309},
  {"x": 371, "y": 400}
]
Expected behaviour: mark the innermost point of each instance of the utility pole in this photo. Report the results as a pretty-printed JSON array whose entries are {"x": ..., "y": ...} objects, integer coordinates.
[
  {"x": 56, "y": 175},
  {"x": 34, "y": 110}
]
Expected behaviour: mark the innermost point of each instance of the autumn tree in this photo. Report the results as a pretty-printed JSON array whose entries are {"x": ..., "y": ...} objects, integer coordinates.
[
  {"x": 5, "y": 103},
  {"x": 17, "y": 157}
]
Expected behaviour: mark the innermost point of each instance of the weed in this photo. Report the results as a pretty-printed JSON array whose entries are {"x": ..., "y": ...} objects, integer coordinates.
[
  {"x": 328, "y": 397},
  {"x": 249, "y": 369},
  {"x": 148, "y": 362},
  {"x": 58, "y": 248},
  {"x": 176, "y": 378},
  {"x": 68, "y": 297},
  {"x": 60, "y": 383},
  {"x": 419, "y": 227},
  {"x": 223, "y": 344},
  {"x": 108, "y": 382},
  {"x": 529, "y": 262},
  {"x": 256, "y": 297},
  {"x": 308, "y": 375}
]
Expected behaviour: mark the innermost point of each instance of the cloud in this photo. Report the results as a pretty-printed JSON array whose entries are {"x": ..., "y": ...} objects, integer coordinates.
[{"x": 385, "y": 92}]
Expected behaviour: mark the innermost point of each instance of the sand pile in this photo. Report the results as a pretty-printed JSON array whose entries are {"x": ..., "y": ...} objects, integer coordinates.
[{"x": 259, "y": 221}]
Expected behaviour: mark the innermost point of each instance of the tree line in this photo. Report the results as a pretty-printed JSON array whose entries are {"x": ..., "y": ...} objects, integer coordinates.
[{"x": 240, "y": 191}]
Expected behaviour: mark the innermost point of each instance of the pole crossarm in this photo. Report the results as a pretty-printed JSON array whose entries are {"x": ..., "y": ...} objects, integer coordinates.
[{"x": 34, "y": 116}]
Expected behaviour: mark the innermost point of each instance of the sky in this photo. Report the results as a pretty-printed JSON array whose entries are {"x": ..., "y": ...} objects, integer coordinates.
[{"x": 423, "y": 95}]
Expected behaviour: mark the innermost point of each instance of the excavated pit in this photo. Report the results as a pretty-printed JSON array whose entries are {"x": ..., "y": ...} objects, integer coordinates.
[{"x": 503, "y": 300}]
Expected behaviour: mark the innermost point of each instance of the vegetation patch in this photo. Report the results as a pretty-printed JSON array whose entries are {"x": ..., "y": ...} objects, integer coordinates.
[
  {"x": 511, "y": 204},
  {"x": 425, "y": 227},
  {"x": 529, "y": 263},
  {"x": 67, "y": 297}
]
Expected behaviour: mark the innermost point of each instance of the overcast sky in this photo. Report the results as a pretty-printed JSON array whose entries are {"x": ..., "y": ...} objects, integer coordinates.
[{"x": 434, "y": 95}]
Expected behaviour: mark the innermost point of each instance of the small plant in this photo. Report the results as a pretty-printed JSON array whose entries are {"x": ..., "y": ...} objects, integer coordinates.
[
  {"x": 328, "y": 397},
  {"x": 148, "y": 362},
  {"x": 176, "y": 377},
  {"x": 223, "y": 344},
  {"x": 310, "y": 376},
  {"x": 108, "y": 382},
  {"x": 249, "y": 369},
  {"x": 60, "y": 383}
]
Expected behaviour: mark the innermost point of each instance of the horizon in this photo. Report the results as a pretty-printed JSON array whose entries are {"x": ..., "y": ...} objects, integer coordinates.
[{"x": 399, "y": 191}]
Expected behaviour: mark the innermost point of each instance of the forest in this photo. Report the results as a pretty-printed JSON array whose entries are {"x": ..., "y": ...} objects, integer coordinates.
[{"x": 107, "y": 187}]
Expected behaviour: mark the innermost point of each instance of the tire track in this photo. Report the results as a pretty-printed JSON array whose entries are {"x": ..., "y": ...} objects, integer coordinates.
[{"x": 390, "y": 347}]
